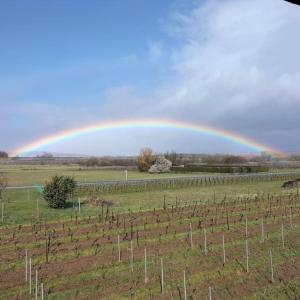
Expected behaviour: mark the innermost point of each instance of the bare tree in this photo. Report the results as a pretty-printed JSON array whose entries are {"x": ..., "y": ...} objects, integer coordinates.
[
  {"x": 146, "y": 159},
  {"x": 3, "y": 183},
  {"x": 3, "y": 154},
  {"x": 172, "y": 157}
]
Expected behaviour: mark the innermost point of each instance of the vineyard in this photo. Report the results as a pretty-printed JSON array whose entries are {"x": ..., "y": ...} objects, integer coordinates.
[
  {"x": 116, "y": 186},
  {"x": 240, "y": 247}
]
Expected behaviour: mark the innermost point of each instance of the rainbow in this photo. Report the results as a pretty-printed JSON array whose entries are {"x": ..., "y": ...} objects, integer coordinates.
[{"x": 144, "y": 123}]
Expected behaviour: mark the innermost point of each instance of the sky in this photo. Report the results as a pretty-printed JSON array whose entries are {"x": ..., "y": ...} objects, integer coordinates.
[{"x": 230, "y": 64}]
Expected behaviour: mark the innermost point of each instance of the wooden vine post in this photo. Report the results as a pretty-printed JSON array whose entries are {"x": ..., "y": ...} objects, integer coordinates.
[
  {"x": 36, "y": 284},
  {"x": 271, "y": 266},
  {"x": 223, "y": 246},
  {"x": 262, "y": 231},
  {"x": 26, "y": 265},
  {"x": 2, "y": 212},
  {"x": 184, "y": 286},
  {"x": 42, "y": 291},
  {"x": 161, "y": 276},
  {"x": 191, "y": 235},
  {"x": 282, "y": 235},
  {"x": 30, "y": 276},
  {"x": 205, "y": 242},
  {"x": 48, "y": 243},
  {"x": 291, "y": 218},
  {"x": 145, "y": 262},
  {"x": 131, "y": 255},
  {"x": 247, "y": 256},
  {"x": 119, "y": 249}
]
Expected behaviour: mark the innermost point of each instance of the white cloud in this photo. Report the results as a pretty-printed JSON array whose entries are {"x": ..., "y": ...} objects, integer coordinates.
[{"x": 237, "y": 67}]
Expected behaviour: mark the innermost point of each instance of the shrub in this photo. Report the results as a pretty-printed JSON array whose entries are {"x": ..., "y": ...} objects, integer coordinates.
[
  {"x": 92, "y": 162},
  {"x": 234, "y": 159},
  {"x": 57, "y": 191}
]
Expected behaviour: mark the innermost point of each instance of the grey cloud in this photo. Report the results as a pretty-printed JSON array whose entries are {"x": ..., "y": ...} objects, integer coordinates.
[{"x": 237, "y": 68}]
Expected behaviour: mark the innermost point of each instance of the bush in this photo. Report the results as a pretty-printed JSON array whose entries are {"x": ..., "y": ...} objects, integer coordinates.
[
  {"x": 58, "y": 190},
  {"x": 234, "y": 159},
  {"x": 92, "y": 162}
]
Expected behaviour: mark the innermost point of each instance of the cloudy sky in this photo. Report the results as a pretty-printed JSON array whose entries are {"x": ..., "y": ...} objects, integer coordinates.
[{"x": 231, "y": 64}]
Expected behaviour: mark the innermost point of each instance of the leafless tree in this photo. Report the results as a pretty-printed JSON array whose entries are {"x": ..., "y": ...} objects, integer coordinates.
[
  {"x": 146, "y": 159},
  {"x": 3, "y": 154}
]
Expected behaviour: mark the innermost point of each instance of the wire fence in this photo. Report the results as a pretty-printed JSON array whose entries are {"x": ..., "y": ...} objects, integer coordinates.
[{"x": 178, "y": 182}]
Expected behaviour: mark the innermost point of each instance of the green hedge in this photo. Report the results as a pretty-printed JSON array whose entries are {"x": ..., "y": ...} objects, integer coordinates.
[{"x": 221, "y": 169}]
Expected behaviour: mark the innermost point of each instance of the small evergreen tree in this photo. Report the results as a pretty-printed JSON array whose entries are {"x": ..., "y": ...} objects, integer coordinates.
[{"x": 57, "y": 191}]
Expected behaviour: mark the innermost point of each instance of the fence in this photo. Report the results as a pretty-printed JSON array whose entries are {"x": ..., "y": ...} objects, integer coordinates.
[{"x": 178, "y": 182}]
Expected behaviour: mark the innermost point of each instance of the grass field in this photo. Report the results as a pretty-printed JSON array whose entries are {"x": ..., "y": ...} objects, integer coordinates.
[
  {"x": 83, "y": 260},
  {"x": 19, "y": 175},
  {"x": 23, "y": 206}
]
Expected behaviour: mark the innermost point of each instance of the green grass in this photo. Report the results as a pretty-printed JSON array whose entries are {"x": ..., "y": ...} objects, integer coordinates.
[
  {"x": 20, "y": 206},
  {"x": 19, "y": 175}
]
